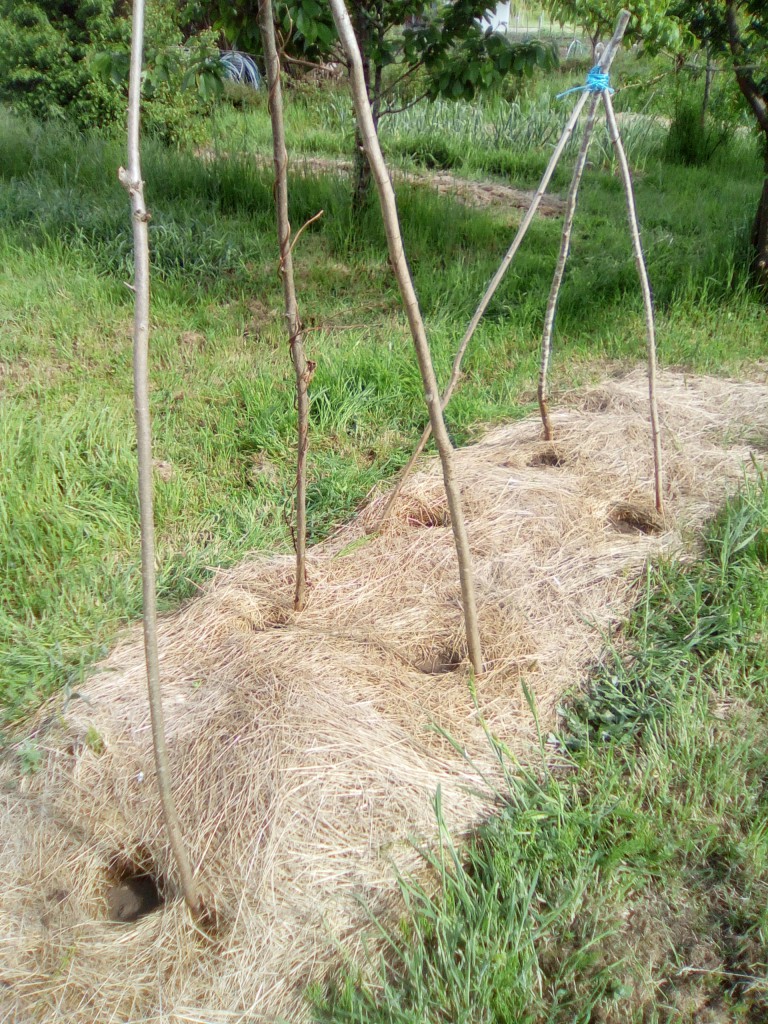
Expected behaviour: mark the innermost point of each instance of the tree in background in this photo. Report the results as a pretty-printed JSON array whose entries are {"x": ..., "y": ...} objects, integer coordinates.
[
  {"x": 44, "y": 59},
  {"x": 737, "y": 32},
  {"x": 445, "y": 44},
  {"x": 68, "y": 59},
  {"x": 650, "y": 22}
]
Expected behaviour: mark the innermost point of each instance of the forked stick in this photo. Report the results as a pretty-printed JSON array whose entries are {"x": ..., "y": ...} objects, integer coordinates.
[
  {"x": 131, "y": 180},
  {"x": 415, "y": 321},
  {"x": 650, "y": 329},
  {"x": 604, "y": 64},
  {"x": 295, "y": 330}
]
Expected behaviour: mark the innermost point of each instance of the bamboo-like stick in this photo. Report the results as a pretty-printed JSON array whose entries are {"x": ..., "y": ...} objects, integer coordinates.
[
  {"x": 132, "y": 181},
  {"x": 295, "y": 330},
  {"x": 650, "y": 328},
  {"x": 415, "y": 321},
  {"x": 562, "y": 259},
  {"x": 604, "y": 64}
]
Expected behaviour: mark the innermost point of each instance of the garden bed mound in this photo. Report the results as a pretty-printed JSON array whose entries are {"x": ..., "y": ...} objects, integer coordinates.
[{"x": 307, "y": 748}]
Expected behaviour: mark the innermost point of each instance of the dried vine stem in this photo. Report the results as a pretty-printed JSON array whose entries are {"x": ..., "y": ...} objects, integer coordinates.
[
  {"x": 132, "y": 181},
  {"x": 562, "y": 259},
  {"x": 604, "y": 63},
  {"x": 302, "y": 368},
  {"x": 650, "y": 329},
  {"x": 415, "y": 321}
]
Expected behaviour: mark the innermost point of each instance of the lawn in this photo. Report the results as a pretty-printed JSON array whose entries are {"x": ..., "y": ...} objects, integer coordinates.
[{"x": 553, "y": 913}]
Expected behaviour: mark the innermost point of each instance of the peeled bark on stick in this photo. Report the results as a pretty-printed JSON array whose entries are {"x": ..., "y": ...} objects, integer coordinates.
[
  {"x": 131, "y": 180},
  {"x": 302, "y": 368},
  {"x": 415, "y": 321},
  {"x": 650, "y": 328},
  {"x": 604, "y": 64},
  {"x": 562, "y": 259}
]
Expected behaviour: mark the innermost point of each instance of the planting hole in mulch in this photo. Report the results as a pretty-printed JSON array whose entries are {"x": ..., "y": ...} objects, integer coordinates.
[
  {"x": 549, "y": 456},
  {"x": 133, "y": 898},
  {"x": 438, "y": 663},
  {"x": 134, "y": 892},
  {"x": 428, "y": 516},
  {"x": 278, "y": 618},
  {"x": 628, "y": 518},
  {"x": 596, "y": 401}
]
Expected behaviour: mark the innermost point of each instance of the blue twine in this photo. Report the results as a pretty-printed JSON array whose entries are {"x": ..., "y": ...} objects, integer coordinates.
[{"x": 597, "y": 81}]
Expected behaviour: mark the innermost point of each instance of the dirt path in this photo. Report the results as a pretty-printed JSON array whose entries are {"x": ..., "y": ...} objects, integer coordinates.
[{"x": 466, "y": 190}]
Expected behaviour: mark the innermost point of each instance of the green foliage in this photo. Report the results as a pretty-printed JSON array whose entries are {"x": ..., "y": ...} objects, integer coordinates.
[
  {"x": 312, "y": 25},
  {"x": 69, "y": 61},
  {"x": 45, "y": 52},
  {"x": 744, "y": 46},
  {"x": 708, "y": 24},
  {"x": 650, "y": 23},
  {"x": 94, "y": 740},
  {"x": 30, "y": 756},
  {"x": 481, "y": 61},
  {"x": 693, "y": 139}
]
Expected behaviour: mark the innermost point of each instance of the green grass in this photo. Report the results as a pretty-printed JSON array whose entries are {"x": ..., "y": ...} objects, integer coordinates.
[
  {"x": 629, "y": 883},
  {"x": 221, "y": 378}
]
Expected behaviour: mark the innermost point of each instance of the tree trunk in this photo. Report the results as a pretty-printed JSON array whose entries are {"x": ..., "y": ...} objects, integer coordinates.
[
  {"x": 367, "y": 38},
  {"x": 757, "y": 97},
  {"x": 362, "y": 169},
  {"x": 708, "y": 73},
  {"x": 759, "y": 266}
]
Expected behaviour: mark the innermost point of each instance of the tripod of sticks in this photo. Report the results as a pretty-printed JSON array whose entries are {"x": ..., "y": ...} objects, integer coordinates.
[{"x": 595, "y": 90}]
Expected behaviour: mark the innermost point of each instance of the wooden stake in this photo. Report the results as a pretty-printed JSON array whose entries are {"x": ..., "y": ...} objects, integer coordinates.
[
  {"x": 302, "y": 368},
  {"x": 562, "y": 259},
  {"x": 132, "y": 181},
  {"x": 415, "y": 321},
  {"x": 650, "y": 329}
]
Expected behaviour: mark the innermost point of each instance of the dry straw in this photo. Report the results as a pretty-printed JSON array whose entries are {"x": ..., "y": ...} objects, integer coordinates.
[{"x": 303, "y": 744}]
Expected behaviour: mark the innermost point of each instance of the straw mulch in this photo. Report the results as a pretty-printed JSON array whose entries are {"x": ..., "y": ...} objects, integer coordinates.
[{"x": 307, "y": 748}]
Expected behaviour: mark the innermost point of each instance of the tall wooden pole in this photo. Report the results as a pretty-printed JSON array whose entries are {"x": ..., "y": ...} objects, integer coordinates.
[
  {"x": 131, "y": 180},
  {"x": 295, "y": 331},
  {"x": 645, "y": 287},
  {"x": 415, "y": 321},
  {"x": 562, "y": 259}
]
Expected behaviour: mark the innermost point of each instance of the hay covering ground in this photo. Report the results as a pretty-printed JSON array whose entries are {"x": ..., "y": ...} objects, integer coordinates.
[{"x": 304, "y": 749}]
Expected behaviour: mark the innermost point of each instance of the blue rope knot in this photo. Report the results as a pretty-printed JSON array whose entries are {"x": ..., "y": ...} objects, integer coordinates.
[{"x": 597, "y": 81}]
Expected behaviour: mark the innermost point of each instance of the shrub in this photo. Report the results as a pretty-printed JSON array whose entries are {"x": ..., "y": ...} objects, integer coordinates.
[
  {"x": 68, "y": 59},
  {"x": 44, "y": 59},
  {"x": 693, "y": 138}
]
